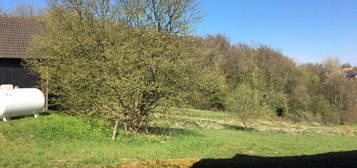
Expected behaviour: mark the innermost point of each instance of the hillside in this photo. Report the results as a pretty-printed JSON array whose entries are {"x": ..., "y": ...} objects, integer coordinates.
[{"x": 183, "y": 139}]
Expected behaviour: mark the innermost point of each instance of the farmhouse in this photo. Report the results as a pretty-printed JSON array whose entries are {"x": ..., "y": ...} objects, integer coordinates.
[{"x": 15, "y": 37}]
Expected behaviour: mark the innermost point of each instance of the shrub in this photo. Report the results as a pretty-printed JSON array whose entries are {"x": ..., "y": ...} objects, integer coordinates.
[
  {"x": 99, "y": 65},
  {"x": 323, "y": 109},
  {"x": 246, "y": 102}
]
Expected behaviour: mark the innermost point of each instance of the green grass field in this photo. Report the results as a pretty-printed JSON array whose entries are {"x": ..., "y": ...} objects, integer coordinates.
[{"x": 178, "y": 141}]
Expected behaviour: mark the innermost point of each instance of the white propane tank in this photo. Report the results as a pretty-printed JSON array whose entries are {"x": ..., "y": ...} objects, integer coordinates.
[{"x": 20, "y": 102}]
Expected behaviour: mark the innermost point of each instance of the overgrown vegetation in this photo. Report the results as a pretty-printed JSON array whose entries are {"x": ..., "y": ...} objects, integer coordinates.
[
  {"x": 133, "y": 62},
  {"x": 307, "y": 92},
  {"x": 121, "y": 59},
  {"x": 58, "y": 140},
  {"x": 97, "y": 65}
]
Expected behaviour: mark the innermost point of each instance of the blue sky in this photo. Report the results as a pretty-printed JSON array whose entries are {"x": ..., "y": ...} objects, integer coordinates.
[
  {"x": 305, "y": 30},
  {"x": 8, "y": 4}
]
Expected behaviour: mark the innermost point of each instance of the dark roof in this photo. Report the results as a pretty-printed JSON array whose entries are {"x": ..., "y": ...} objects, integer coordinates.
[
  {"x": 15, "y": 35},
  {"x": 351, "y": 74}
]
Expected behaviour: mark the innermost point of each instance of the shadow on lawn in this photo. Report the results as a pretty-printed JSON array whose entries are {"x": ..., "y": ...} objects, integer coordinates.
[
  {"x": 327, "y": 160},
  {"x": 168, "y": 131},
  {"x": 45, "y": 113},
  {"x": 239, "y": 128}
]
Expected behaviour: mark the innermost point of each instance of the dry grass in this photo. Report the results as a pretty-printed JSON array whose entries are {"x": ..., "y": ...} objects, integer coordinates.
[
  {"x": 174, "y": 163},
  {"x": 3, "y": 138},
  {"x": 275, "y": 126},
  {"x": 301, "y": 128}
]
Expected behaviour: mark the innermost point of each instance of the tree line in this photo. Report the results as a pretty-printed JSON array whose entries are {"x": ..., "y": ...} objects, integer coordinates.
[
  {"x": 127, "y": 60},
  {"x": 263, "y": 82}
]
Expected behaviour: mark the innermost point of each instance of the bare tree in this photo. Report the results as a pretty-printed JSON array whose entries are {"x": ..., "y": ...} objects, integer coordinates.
[
  {"x": 23, "y": 9},
  {"x": 332, "y": 64},
  {"x": 174, "y": 16},
  {"x": 27, "y": 9}
]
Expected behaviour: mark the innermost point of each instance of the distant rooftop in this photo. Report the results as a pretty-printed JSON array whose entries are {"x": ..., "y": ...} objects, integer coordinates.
[
  {"x": 15, "y": 35},
  {"x": 351, "y": 74}
]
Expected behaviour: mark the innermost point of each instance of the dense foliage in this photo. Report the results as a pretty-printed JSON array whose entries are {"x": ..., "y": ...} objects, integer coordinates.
[
  {"x": 122, "y": 59},
  {"x": 306, "y": 92},
  {"x": 97, "y": 65}
]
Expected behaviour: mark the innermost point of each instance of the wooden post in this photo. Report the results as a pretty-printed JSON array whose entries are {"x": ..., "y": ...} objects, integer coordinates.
[
  {"x": 115, "y": 130},
  {"x": 46, "y": 96},
  {"x": 45, "y": 88},
  {"x": 44, "y": 92}
]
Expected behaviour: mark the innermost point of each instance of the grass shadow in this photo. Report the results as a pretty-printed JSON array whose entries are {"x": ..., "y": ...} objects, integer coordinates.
[
  {"x": 239, "y": 128},
  {"x": 167, "y": 131},
  {"x": 326, "y": 160},
  {"x": 40, "y": 113}
]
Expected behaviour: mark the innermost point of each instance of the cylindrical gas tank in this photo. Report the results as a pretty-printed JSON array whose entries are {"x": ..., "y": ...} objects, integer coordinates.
[{"x": 20, "y": 102}]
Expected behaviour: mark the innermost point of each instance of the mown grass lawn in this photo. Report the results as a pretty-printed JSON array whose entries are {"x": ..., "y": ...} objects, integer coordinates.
[{"x": 63, "y": 141}]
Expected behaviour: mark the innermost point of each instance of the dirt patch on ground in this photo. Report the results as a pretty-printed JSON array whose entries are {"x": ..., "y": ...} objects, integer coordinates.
[
  {"x": 174, "y": 163},
  {"x": 3, "y": 138}
]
